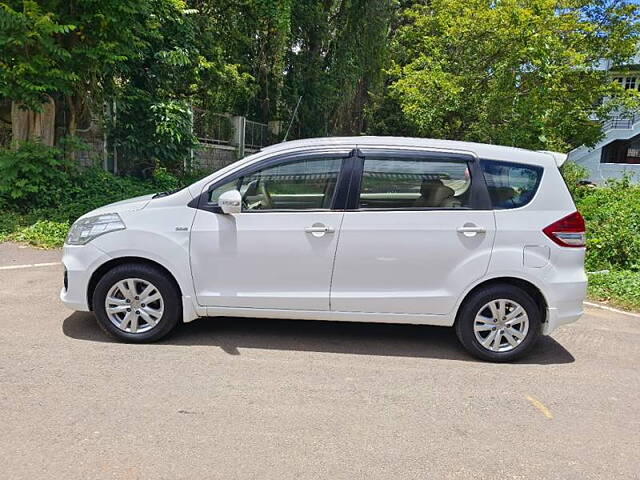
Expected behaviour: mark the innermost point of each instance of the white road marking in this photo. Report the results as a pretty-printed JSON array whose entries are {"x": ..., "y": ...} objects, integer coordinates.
[
  {"x": 611, "y": 309},
  {"x": 29, "y": 265}
]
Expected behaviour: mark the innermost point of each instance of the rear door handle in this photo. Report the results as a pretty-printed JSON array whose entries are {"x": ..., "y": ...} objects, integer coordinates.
[{"x": 471, "y": 230}]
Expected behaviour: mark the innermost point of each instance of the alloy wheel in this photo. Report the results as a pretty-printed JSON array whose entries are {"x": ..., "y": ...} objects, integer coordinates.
[
  {"x": 501, "y": 325},
  {"x": 134, "y": 305}
]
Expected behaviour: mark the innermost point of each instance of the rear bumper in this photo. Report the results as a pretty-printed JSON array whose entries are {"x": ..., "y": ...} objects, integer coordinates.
[
  {"x": 80, "y": 261},
  {"x": 566, "y": 305},
  {"x": 561, "y": 316}
]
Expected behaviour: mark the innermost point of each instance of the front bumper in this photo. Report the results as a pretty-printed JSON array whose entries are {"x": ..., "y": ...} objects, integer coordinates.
[{"x": 80, "y": 261}]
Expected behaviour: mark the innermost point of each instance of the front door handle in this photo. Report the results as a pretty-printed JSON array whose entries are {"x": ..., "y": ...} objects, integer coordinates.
[
  {"x": 470, "y": 230},
  {"x": 319, "y": 229}
]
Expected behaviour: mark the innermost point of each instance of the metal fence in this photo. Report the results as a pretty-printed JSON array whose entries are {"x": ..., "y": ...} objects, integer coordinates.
[
  {"x": 223, "y": 129},
  {"x": 223, "y": 139},
  {"x": 624, "y": 123},
  {"x": 256, "y": 135},
  {"x": 213, "y": 128}
]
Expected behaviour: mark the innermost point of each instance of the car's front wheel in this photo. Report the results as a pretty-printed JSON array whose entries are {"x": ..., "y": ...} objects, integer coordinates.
[
  {"x": 136, "y": 303},
  {"x": 499, "y": 323}
]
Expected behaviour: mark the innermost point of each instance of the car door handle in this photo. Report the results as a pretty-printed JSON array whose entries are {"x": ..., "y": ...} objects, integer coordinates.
[
  {"x": 471, "y": 230},
  {"x": 318, "y": 229}
]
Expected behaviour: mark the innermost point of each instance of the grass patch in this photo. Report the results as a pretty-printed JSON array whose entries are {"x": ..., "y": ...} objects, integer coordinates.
[
  {"x": 29, "y": 229},
  {"x": 617, "y": 288},
  {"x": 43, "y": 234},
  {"x": 32, "y": 229}
]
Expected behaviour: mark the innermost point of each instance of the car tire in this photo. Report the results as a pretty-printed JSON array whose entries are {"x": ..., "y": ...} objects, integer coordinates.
[
  {"x": 485, "y": 323},
  {"x": 128, "y": 286}
]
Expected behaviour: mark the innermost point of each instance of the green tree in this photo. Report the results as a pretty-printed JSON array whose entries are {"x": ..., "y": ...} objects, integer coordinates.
[
  {"x": 67, "y": 52},
  {"x": 32, "y": 67},
  {"x": 513, "y": 72},
  {"x": 150, "y": 57},
  {"x": 337, "y": 51}
]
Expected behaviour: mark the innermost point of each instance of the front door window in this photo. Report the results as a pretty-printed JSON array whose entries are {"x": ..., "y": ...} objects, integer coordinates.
[
  {"x": 299, "y": 185},
  {"x": 302, "y": 184}
]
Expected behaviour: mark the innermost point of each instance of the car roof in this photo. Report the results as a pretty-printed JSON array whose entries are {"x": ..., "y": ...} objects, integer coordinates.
[{"x": 482, "y": 150}]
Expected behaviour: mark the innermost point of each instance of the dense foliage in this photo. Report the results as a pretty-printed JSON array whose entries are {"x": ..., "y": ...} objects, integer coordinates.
[
  {"x": 613, "y": 236},
  {"x": 508, "y": 72},
  {"x": 33, "y": 176},
  {"x": 613, "y": 225}
]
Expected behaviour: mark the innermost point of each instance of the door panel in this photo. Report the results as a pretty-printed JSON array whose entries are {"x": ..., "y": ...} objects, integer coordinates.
[
  {"x": 279, "y": 252},
  {"x": 408, "y": 261},
  {"x": 263, "y": 260}
]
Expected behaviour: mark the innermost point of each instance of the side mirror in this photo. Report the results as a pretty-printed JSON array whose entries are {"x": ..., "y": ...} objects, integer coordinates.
[{"x": 230, "y": 202}]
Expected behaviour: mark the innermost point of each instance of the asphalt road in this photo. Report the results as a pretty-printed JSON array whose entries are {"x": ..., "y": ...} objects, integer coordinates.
[{"x": 271, "y": 399}]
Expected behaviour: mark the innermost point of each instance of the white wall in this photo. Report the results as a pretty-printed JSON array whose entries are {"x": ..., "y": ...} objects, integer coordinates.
[{"x": 600, "y": 172}]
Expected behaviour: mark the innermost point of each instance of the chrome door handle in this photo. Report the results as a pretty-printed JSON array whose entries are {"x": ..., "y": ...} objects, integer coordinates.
[
  {"x": 318, "y": 229},
  {"x": 471, "y": 230}
]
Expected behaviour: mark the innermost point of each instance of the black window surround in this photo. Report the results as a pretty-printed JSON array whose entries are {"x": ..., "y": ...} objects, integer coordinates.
[
  {"x": 479, "y": 196},
  {"x": 347, "y": 192}
]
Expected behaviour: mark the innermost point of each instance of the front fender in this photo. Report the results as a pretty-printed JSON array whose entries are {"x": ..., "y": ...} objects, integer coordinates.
[{"x": 161, "y": 236}]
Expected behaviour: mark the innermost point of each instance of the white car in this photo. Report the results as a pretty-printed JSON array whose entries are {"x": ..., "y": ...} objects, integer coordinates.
[{"x": 483, "y": 238}]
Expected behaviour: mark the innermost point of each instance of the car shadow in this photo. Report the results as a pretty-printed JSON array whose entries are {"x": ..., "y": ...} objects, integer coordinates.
[{"x": 395, "y": 340}]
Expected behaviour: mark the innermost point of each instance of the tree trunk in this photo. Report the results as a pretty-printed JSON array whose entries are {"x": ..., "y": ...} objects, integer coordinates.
[
  {"x": 73, "y": 103},
  {"x": 20, "y": 121},
  {"x": 28, "y": 125}
]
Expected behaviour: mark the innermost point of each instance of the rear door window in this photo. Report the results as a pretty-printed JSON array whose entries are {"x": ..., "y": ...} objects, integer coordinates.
[
  {"x": 414, "y": 183},
  {"x": 510, "y": 185}
]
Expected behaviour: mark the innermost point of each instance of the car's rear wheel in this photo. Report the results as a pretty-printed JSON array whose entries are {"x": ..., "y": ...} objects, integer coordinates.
[
  {"x": 499, "y": 323},
  {"x": 137, "y": 303}
]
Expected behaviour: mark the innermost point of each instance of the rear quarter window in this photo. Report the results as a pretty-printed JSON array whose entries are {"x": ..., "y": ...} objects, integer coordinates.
[{"x": 510, "y": 185}]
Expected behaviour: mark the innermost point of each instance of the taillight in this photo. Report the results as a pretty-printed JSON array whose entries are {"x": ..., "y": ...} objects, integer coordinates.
[{"x": 568, "y": 231}]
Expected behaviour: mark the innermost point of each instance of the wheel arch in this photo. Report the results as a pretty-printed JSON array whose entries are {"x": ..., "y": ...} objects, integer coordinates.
[
  {"x": 529, "y": 287},
  {"x": 110, "y": 264}
]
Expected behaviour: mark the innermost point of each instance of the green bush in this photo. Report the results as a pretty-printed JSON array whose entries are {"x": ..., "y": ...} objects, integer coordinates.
[
  {"x": 33, "y": 176},
  {"x": 9, "y": 223},
  {"x": 613, "y": 225},
  {"x": 93, "y": 188},
  {"x": 42, "y": 193},
  {"x": 573, "y": 174},
  {"x": 164, "y": 180}
]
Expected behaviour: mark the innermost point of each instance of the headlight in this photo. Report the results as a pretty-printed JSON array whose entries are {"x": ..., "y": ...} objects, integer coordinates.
[{"x": 85, "y": 230}]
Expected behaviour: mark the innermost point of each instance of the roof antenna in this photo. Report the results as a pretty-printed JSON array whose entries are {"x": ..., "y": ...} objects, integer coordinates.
[{"x": 292, "y": 118}]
